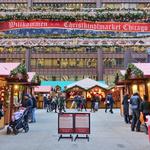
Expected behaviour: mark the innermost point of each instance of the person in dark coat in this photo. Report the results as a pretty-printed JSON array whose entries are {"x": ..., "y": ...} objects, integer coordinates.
[
  {"x": 28, "y": 104},
  {"x": 33, "y": 118},
  {"x": 145, "y": 109},
  {"x": 45, "y": 100},
  {"x": 83, "y": 102},
  {"x": 125, "y": 104},
  {"x": 61, "y": 102},
  {"x": 135, "y": 105},
  {"x": 1, "y": 110},
  {"x": 110, "y": 102},
  {"x": 93, "y": 100}
]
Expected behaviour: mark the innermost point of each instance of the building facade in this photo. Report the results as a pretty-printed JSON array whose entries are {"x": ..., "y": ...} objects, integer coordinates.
[
  {"x": 76, "y": 3},
  {"x": 89, "y": 54}
]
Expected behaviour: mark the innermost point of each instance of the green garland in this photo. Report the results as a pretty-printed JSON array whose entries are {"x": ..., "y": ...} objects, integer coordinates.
[
  {"x": 81, "y": 9},
  {"x": 118, "y": 77},
  {"x": 76, "y": 46},
  {"x": 97, "y": 16},
  {"x": 65, "y": 36},
  {"x": 36, "y": 79},
  {"x": 20, "y": 69},
  {"x": 133, "y": 70}
]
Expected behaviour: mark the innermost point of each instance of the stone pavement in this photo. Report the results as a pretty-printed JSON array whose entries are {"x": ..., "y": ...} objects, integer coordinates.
[{"x": 108, "y": 132}]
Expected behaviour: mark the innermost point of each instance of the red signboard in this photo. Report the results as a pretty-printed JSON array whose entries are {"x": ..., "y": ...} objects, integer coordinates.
[
  {"x": 82, "y": 123},
  {"x": 65, "y": 123},
  {"x": 79, "y": 25},
  {"x": 69, "y": 123}
]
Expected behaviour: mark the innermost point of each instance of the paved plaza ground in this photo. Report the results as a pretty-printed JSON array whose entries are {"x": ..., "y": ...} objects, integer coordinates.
[{"x": 108, "y": 132}]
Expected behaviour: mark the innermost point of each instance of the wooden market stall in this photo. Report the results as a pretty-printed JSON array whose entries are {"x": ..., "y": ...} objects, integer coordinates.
[
  {"x": 2, "y": 91},
  {"x": 5, "y": 70},
  {"x": 88, "y": 88},
  {"x": 40, "y": 92},
  {"x": 17, "y": 83},
  {"x": 136, "y": 78}
]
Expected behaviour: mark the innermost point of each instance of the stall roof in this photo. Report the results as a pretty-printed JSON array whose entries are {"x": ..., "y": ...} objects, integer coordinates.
[
  {"x": 123, "y": 72},
  {"x": 88, "y": 83},
  {"x": 42, "y": 89},
  {"x": 53, "y": 84},
  {"x": 6, "y": 68},
  {"x": 31, "y": 75},
  {"x": 144, "y": 67}
]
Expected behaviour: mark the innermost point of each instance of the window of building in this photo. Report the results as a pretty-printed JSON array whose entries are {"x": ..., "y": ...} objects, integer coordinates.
[
  {"x": 112, "y": 5},
  {"x": 119, "y": 62},
  {"x": 53, "y": 78},
  {"x": 128, "y": 5}
]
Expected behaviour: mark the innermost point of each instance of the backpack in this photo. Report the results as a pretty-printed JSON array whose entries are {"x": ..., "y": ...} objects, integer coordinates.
[{"x": 135, "y": 103}]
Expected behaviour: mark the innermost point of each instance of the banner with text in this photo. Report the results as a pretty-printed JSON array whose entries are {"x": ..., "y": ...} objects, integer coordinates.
[{"x": 76, "y": 25}]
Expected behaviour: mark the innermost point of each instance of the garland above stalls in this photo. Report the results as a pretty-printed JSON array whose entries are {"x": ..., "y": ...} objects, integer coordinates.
[
  {"x": 65, "y": 36},
  {"x": 118, "y": 16},
  {"x": 77, "y": 10},
  {"x": 19, "y": 73},
  {"x": 133, "y": 72},
  {"x": 36, "y": 79},
  {"x": 75, "y": 42}
]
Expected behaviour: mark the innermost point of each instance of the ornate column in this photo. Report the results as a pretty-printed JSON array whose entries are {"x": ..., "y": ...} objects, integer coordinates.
[
  {"x": 127, "y": 58},
  {"x": 28, "y": 60},
  {"x": 98, "y": 4},
  {"x": 148, "y": 55},
  {"x": 30, "y": 4},
  {"x": 100, "y": 65}
]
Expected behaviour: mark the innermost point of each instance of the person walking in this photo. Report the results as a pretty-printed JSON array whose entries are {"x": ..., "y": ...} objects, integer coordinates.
[
  {"x": 77, "y": 100},
  {"x": 45, "y": 100},
  {"x": 93, "y": 103},
  {"x": 135, "y": 105},
  {"x": 106, "y": 102},
  {"x": 55, "y": 102},
  {"x": 34, "y": 107},
  {"x": 145, "y": 110},
  {"x": 109, "y": 103},
  {"x": 125, "y": 104},
  {"x": 28, "y": 104},
  {"x": 61, "y": 103},
  {"x": 97, "y": 102},
  {"x": 83, "y": 102},
  {"x": 49, "y": 103}
]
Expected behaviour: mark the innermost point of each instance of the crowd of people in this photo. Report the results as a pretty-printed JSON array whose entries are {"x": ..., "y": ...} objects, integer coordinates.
[
  {"x": 57, "y": 102},
  {"x": 135, "y": 111}
]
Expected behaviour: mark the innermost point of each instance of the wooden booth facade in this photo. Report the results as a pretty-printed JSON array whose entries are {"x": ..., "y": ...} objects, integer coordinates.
[
  {"x": 88, "y": 88},
  {"x": 136, "y": 78},
  {"x": 14, "y": 83},
  {"x": 40, "y": 92}
]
